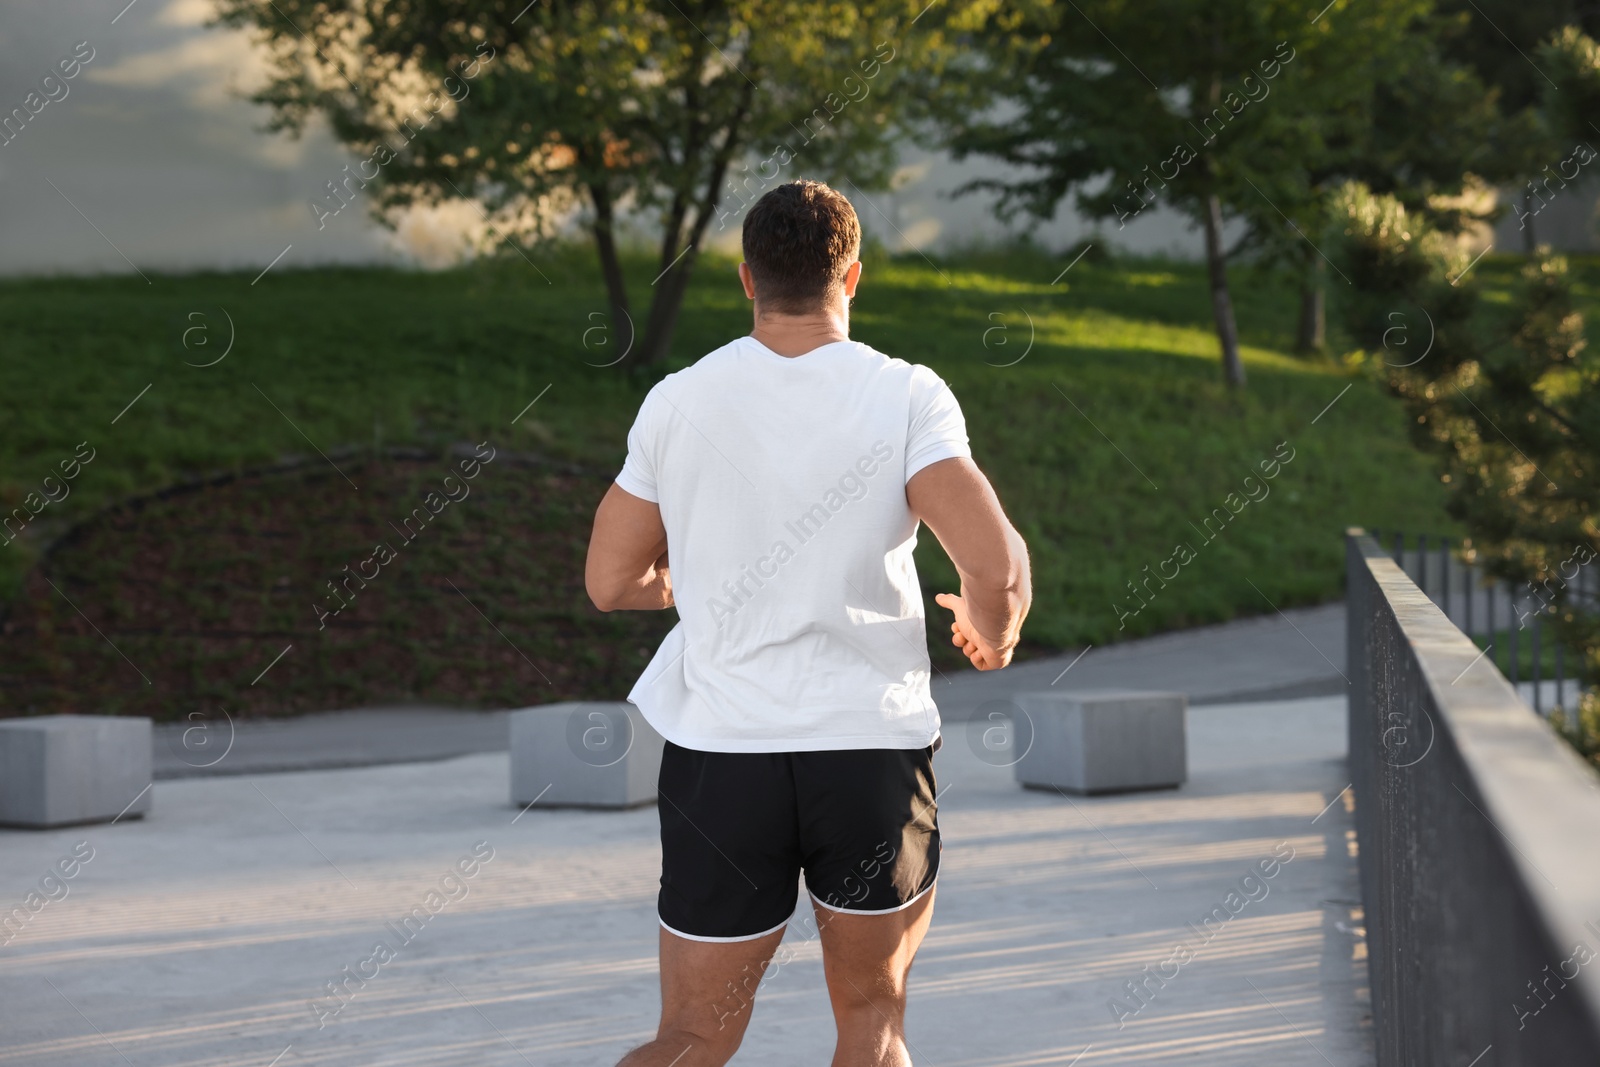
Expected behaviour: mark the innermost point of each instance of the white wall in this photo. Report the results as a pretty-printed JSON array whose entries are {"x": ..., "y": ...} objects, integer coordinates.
[
  {"x": 1563, "y": 218},
  {"x": 921, "y": 211},
  {"x": 155, "y": 148}
]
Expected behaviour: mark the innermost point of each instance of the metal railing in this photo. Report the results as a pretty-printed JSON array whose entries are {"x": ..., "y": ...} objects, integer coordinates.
[
  {"x": 1499, "y": 614},
  {"x": 1476, "y": 828}
]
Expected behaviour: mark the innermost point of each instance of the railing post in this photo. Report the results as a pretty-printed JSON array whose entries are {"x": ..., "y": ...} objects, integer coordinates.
[
  {"x": 1513, "y": 629},
  {"x": 1537, "y": 672},
  {"x": 1561, "y": 679},
  {"x": 1444, "y": 576},
  {"x": 1422, "y": 563},
  {"x": 1494, "y": 638}
]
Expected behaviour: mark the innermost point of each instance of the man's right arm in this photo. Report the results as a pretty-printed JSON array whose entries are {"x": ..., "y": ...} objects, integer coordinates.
[{"x": 954, "y": 500}]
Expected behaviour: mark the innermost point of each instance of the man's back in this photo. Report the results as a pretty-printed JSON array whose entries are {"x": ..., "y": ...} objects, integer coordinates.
[{"x": 781, "y": 483}]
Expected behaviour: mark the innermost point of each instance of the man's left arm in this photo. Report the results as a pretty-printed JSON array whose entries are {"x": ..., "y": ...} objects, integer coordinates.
[{"x": 627, "y": 564}]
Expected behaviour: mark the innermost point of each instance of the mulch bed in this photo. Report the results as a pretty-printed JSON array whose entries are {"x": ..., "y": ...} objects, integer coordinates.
[{"x": 178, "y": 603}]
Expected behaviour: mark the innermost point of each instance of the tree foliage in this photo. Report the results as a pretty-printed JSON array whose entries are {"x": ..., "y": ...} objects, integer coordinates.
[
  {"x": 1243, "y": 109},
  {"x": 1509, "y": 402},
  {"x": 681, "y": 109}
]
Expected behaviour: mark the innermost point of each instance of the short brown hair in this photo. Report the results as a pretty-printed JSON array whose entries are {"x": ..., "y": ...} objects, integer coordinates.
[{"x": 799, "y": 240}]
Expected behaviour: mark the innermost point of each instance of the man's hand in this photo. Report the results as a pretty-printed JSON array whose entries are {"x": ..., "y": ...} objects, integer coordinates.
[
  {"x": 959, "y": 505},
  {"x": 977, "y": 648}
]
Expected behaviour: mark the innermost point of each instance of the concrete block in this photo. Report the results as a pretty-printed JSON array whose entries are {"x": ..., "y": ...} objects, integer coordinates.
[
  {"x": 1104, "y": 741},
  {"x": 586, "y": 754},
  {"x": 58, "y": 770}
]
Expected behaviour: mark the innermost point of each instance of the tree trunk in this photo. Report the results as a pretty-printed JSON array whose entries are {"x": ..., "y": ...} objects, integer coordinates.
[
  {"x": 1311, "y": 337},
  {"x": 1221, "y": 302},
  {"x": 678, "y": 256},
  {"x": 623, "y": 334},
  {"x": 1530, "y": 243},
  {"x": 1216, "y": 265},
  {"x": 664, "y": 306},
  {"x": 673, "y": 282}
]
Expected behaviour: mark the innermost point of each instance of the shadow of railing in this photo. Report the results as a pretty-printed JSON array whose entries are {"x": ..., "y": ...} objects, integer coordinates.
[{"x": 1476, "y": 827}]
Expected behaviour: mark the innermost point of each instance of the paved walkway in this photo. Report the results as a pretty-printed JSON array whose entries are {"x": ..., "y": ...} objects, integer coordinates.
[
  {"x": 1297, "y": 653},
  {"x": 202, "y": 935}
]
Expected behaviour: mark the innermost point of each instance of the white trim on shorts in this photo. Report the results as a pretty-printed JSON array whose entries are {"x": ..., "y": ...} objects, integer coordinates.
[
  {"x": 880, "y": 911},
  {"x": 721, "y": 940}
]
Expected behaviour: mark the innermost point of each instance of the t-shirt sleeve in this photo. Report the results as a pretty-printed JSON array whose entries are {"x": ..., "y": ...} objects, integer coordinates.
[
  {"x": 638, "y": 474},
  {"x": 937, "y": 428}
]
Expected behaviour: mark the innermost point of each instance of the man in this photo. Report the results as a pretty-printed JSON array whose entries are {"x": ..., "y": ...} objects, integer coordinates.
[{"x": 785, "y": 475}]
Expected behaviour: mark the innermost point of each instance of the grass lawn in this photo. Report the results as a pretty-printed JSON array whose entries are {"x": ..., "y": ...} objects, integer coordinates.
[{"x": 1110, "y": 438}]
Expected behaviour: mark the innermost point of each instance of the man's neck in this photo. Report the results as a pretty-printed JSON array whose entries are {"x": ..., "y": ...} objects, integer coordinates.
[{"x": 795, "y": 335}]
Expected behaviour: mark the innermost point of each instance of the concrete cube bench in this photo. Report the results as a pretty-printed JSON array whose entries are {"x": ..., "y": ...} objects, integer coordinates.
[
  {"x": 584, "y": 754},
  {"x": 1104, "y": 741},
  {"x": 59, "y": 770}
]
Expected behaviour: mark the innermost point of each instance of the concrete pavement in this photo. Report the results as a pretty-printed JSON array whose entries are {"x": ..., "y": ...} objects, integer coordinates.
[
  {"x": 206, "y": 934},
  {"x": 1278, "y": 656},
  {"x": 214, "y": 743}
]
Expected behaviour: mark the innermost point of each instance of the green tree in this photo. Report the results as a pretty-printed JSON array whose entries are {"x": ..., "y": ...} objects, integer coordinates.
[
  {"x": 1508, "y": 400},
  {"x": 1248, "y": 110},
  {"x": 683, "y": 110}
]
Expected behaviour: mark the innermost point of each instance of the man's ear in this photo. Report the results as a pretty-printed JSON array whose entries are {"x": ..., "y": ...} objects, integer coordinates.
[
  {"x": 852, "y": 278},
  {"x": 748, "y": 280}
]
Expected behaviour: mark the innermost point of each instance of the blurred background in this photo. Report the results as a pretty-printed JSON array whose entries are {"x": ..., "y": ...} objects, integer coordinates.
[{"x": 274, "y": 269}]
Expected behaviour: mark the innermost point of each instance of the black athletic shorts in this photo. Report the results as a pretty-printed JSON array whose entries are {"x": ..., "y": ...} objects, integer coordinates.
[{"x": 737, "y": 828}]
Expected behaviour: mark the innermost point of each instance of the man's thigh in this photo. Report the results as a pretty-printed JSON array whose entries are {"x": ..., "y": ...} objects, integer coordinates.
[
  {"x": 708, "y": 988},
  {"x": 866, "y": 958},
  {"x": 870, "y": 837}
]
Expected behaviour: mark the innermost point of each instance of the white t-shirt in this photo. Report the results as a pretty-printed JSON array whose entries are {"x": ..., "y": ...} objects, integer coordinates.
[{"x": 781, "y": 482}]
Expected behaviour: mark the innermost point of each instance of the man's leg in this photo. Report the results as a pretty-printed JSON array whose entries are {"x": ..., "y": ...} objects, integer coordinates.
[
  {"x": 730, "y": 867},
  {"x": 708, "y": 990},
  {"x": 867, "y": 959}
]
